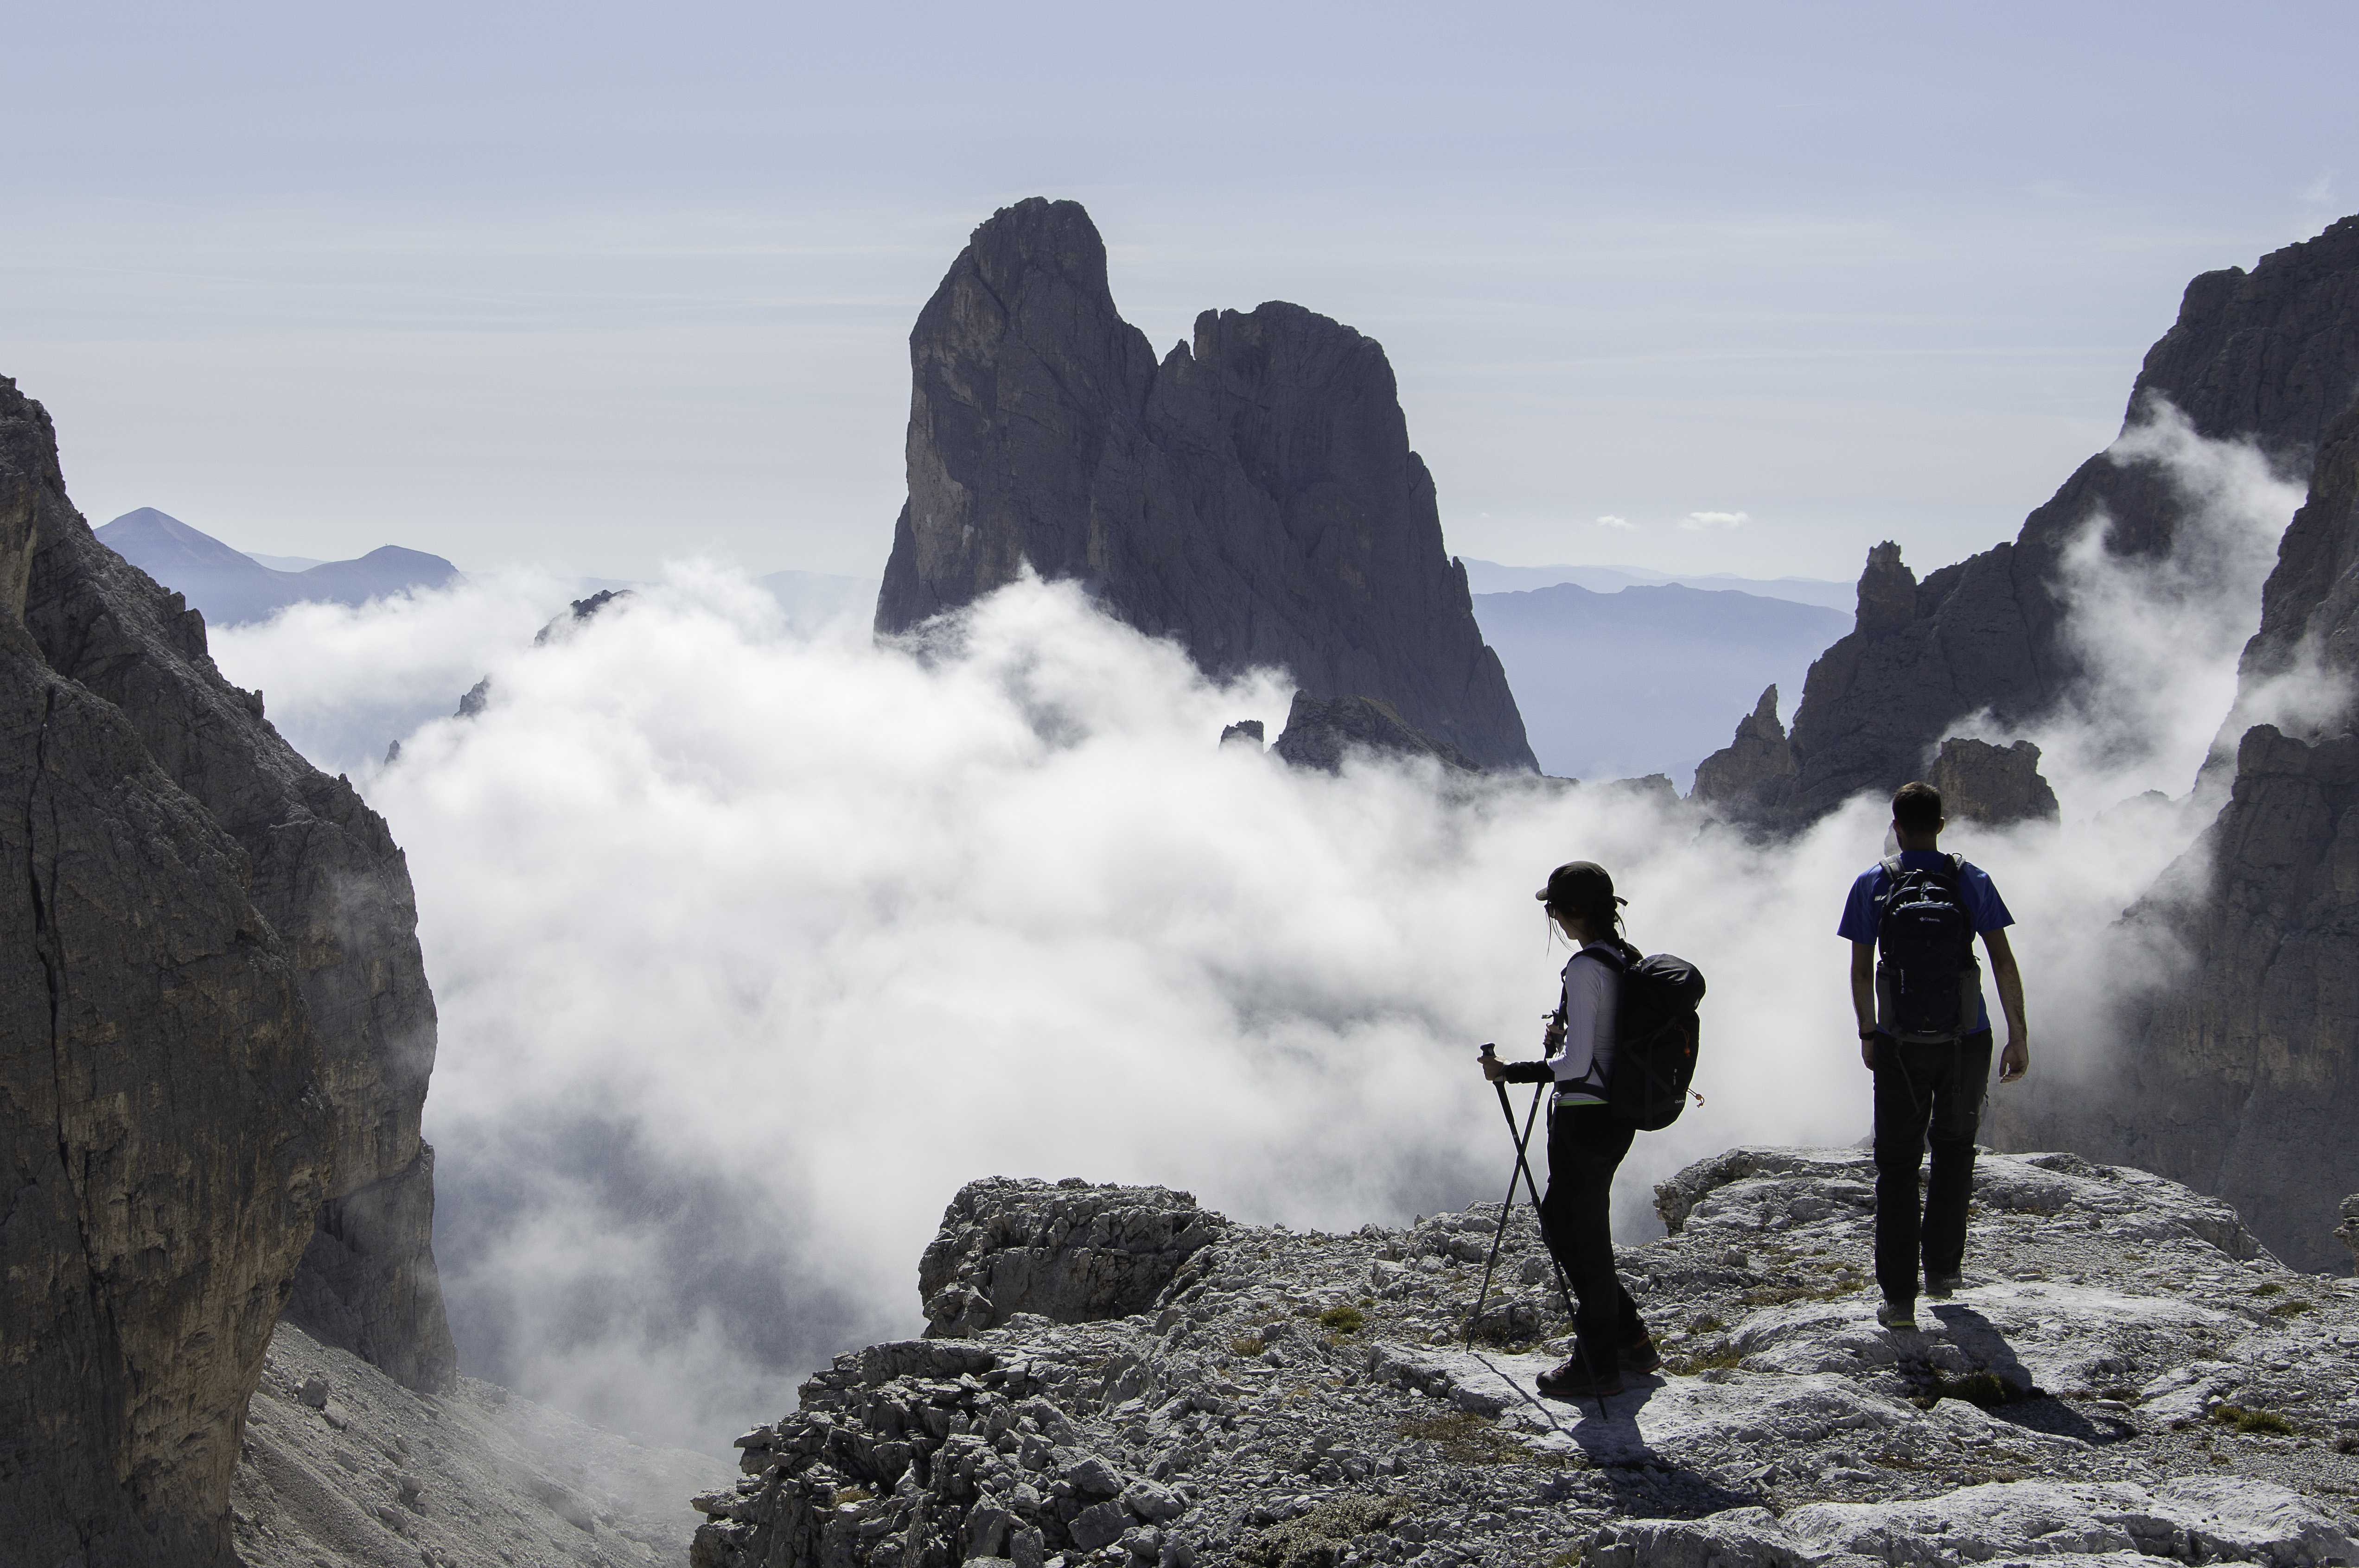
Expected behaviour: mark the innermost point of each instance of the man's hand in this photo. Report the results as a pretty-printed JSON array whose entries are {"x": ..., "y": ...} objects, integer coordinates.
[
  {"x": 2016, "y": 1060},
  {"x": 1552, "y": 1037}
]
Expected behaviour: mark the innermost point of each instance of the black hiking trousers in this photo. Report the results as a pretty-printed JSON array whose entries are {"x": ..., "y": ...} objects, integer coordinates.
[
  {"x": 1925, "y": 1094},
  {"x": 1586, "y": 1143}
]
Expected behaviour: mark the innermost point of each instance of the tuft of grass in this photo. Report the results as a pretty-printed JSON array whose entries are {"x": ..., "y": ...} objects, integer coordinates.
[
  {"x": 1722, "y": 1357},
  {"x": 1310, "y": 1540},
  {"x": 2252, "y": 1421},
  {"x": 1248, "y": 1344},
  {"x": 1343, "y": 1319},
  {"x": 2290, "y": 1308},
  {"x": 2266, "y": 1288},
  {"x": 1465, "y": 1438},
  {"x": 1569, "y": 1558},
  {"x": 846, "y": 1496},
  {"x": 1706, "y": 1323},
  {"x": 1985, "y": 1390}
]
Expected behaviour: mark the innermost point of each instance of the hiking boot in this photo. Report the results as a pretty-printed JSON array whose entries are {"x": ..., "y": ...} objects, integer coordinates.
[
  {"x": 1639, "y": 1355},
  {"x": 1898, "y": 1316},
  {"x": 1569, "y": 1381},
  {"x": 1941, "y": 1287}
]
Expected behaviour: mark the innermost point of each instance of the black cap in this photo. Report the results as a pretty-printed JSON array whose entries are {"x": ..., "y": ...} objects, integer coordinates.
[{"x": 1577, "y": 885}]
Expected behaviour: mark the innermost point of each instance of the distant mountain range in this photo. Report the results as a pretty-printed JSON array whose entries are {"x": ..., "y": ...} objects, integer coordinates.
[
  {"x": 1643, "y": 679},
  {"x": 1490, "y": 577},
  {"x": 230, "y": 586}
]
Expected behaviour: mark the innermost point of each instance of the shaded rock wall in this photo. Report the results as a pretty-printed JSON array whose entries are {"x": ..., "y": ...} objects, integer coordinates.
[
  {"x": 162, "y": 1129},
  {"x": 2271, "y": 356},
  {"x": 2241, "y": 1076},
  {"x": 1993, "y": 785},
  {"x": 219, "y": 1034},
  {"x": 1253, "y": 495},
  {"x": 330, "y": 881},
  {"x": 1321, "y": 731}
]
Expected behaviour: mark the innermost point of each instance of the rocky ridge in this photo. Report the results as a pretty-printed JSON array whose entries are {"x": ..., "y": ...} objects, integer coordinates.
[
  {"x": 219, "y": 1034},
  {"x": 1252, "y": 495},
  {"x": 2270, "y": 356},
  {"x": 2127, "y": 1376},
  {"x": 2243, "y": 1080}
]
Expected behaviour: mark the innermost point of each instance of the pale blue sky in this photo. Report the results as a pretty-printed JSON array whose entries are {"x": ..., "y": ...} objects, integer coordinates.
[{"x": 591, "y": 285}]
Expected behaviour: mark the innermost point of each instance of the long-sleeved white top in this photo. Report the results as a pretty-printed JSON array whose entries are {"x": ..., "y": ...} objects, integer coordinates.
[{"x": 1592, "y": 987}]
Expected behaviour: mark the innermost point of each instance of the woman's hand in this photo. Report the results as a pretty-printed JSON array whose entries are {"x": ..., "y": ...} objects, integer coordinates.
[{"x": 1493, "y": 1068}]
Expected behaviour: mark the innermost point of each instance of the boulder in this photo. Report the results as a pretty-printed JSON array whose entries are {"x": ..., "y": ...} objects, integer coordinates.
[
  {"x": 1993, "y": 787},
  {"x": 1252, "y": 496},
  {"x": 1319, "y": 732},
  {"x": 1065, "y": 1250}
]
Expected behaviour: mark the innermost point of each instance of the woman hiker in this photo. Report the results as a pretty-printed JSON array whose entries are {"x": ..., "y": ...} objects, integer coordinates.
[{"x": 1586, "y": 1140}]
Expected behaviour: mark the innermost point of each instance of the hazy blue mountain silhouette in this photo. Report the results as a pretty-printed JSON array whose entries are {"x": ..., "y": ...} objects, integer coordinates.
[
  {"x": 1643, "y": 680},
  {"x": 1490, "y": 577},
  {"x": 229, "y": 585}
]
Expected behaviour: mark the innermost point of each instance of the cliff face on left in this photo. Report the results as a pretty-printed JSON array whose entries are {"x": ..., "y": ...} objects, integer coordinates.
[{"x": 217, "y": 1044}]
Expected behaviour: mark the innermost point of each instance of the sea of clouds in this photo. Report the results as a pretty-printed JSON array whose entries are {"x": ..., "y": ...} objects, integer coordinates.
[{"x": 753, "y": 941}]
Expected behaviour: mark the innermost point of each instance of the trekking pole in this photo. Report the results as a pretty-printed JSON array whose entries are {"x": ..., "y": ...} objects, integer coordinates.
[
  {"x": 1506, "y": 1204},
  {"x": 1523, "y": 1168}
]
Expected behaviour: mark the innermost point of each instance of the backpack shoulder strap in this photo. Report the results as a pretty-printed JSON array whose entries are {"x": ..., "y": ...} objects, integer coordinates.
[{"x": 1609, "y": 954}]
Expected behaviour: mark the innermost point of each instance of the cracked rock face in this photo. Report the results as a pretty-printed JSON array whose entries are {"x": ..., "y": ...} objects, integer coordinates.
[
  {"x": 1252, "y": 496},
  {"x": 1064, "y": 1250},
  {"x": 218, "y": 1033},
  {"x": 2126, "y": 1377}
]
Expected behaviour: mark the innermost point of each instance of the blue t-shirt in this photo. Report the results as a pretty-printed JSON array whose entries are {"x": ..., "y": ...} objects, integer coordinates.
[{"x": 1864, "y": 911}]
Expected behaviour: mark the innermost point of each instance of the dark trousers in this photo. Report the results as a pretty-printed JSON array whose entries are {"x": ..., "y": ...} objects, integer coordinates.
[
  {"x": 1925, "y": 1093},
  {"x": 1586, "y": 1143}
]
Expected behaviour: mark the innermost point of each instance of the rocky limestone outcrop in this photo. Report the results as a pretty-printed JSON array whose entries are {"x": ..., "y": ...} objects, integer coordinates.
[
  {"x": 1067, "y": 1250},
  {"x": 2240, "y": 1075},
  {"x": 1320, "y": 733},
  {"x": 1992, "y": 785},
  {"x": 1748, "y": 776},
  {"x": 2348, "y": 1231},
  {"x": 215, "y": 1008},
  {"x": 2271, "y": 356},
  {"x": 1245, "y": 733},
  {"x": 2127, "y": 1376},
  {"x": 1252, "y": 496}
]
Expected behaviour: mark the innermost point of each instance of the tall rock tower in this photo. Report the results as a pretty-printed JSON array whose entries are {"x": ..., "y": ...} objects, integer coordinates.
[{"x": 1253, "y": 495}]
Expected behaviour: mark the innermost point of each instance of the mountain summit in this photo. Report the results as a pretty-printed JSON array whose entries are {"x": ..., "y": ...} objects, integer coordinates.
[{"x": 1253, "y": 495}]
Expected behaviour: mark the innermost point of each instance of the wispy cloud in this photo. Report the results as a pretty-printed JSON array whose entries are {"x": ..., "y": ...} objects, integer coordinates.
[
  {"x": 1700, "y": 522},
  {"x": 2319, "y": 192},
  {"x": 1610, "y": 521}
]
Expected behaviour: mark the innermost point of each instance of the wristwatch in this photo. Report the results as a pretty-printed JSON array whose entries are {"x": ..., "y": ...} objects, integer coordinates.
[{"x": 1869, "y": 1033}]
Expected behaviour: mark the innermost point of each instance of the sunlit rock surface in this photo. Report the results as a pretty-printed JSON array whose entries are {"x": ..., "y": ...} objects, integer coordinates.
[
  {"x": 1253, "y": 495},
  {"x": 344, "y": 1466},
  {"x": 2127, "y": 1375},
  {"x": 2271, "y": 356}
]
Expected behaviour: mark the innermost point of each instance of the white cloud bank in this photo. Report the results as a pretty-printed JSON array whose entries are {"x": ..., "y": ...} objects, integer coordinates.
[{"x": 749, "y": 948}]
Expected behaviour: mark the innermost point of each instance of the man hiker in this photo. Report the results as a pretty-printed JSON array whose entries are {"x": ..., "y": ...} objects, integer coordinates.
[
  {"x": 1586, "y": 1140},
  {"x": 1925, "y": 1032}
]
